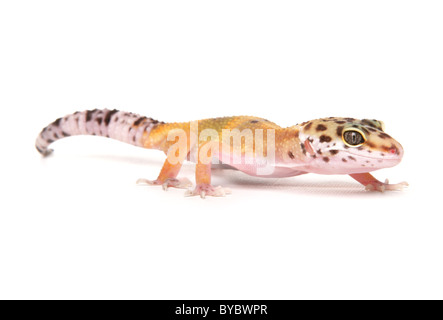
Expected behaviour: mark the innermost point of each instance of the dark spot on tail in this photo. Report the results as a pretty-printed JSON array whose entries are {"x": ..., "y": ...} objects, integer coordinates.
[
  {"x": 109, "y": 115},
  {"x": 139, "y": 120},
  {"x": 254, "y": 121},
  {"x": 89, "y": 114},
  {"x": 56, "y": 123}
]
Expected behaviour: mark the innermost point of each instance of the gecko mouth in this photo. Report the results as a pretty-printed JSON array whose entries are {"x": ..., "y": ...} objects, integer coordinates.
[{"x": 381, "y": 156}]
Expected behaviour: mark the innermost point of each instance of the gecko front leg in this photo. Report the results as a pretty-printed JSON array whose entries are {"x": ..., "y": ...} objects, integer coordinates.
[
  {"x": 372, "y": 184},
  {"x": 204, "y": 187}
]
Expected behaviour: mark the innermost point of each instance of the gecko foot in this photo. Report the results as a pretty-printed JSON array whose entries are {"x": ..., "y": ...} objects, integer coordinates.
[
  {"x": 382, "y": 187},
  {"x": 183, "y": 183},
  {"x": 204, "y": 190}
]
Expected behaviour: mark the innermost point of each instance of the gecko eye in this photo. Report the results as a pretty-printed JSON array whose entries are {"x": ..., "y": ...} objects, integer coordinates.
[{"x": 353, "y": 138}]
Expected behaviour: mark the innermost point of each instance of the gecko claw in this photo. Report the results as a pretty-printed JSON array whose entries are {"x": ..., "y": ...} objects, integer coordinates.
[
  {"x": 204, "y": 190},
  {"x": 183, "y": 183},
  {"x": 382, "y": 187}
]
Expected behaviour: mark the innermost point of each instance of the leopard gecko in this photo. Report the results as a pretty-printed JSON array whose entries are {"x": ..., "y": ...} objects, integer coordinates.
[{"x": 331, "y": 145}]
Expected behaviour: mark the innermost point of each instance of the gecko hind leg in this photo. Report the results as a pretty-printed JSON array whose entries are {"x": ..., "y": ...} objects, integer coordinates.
[
  {"x": 168, "y": 177},
  {"x": 372, "y": 184}
]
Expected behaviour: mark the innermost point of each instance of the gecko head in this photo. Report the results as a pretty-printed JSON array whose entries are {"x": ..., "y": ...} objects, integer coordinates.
[{"x": 347, "y": 145}]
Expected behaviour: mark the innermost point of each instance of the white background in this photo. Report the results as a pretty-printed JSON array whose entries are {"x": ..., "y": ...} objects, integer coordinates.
[{"x": 75, "y": 225}]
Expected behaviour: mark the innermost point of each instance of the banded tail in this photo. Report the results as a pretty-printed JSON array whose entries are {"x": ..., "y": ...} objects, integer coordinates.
[{"x": 123, "y": 126}]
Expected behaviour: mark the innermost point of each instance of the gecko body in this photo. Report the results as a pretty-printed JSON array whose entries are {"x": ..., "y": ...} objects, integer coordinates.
[{"x": 253, "y": 145}]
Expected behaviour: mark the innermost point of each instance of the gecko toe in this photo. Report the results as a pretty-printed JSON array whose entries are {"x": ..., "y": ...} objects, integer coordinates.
[
  {"x": 183, "y": 183},
  {"x": 204, "y": 190}
]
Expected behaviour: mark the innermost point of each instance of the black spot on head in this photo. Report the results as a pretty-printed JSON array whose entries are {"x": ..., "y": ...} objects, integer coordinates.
[
  {"x": 254, "y": 121},
  {"x": 367, "y": 122},
  {"x": 333, "y": 152},
  {"x": 340, "y": 130},
  {"x": 319, "y": 151},
  {"x": 325, "y": 159},
  {"x": 324, "y": 138},
  {"x": 344, "y": 160},
  {"x": 365, "y": 130},
  {"x": 370, "y": 144},
  {"x": 321, "y": 127},
  {"x": 340, "y": 122},
  {"x": 352, "y": 158},
  {"x": 291, "y": 155},
  {"x": 308, "y": 126},
  {"x": 384, "y": 135},
  {"x": 303, "y": 148}
]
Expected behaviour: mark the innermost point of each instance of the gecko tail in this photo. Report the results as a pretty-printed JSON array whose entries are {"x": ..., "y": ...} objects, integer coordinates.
[{"x": 119, "y": 125}]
